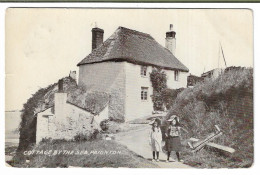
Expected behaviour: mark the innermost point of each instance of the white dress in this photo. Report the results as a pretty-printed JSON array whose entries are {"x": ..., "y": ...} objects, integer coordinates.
[{"x": 155, "y": 139}]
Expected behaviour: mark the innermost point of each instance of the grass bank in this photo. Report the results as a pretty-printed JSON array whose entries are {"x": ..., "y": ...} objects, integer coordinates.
[
  {"x": 227, "y": 102},
  {"x": 98, "y": 154}
]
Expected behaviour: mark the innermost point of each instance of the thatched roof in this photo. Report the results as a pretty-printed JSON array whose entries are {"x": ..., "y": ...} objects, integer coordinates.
[
  {"x": 135, "y": 47},
  {"x": 93, "y": 102}
]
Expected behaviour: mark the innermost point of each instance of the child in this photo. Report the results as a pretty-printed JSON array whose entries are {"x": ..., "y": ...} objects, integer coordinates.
[
  {"x": 173, "y": 142},
  {"x": 155, "y": 138}
]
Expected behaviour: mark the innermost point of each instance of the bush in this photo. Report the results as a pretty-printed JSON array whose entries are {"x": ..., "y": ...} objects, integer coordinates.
[
  {"x": 157, "y": 101},
  {"x": 104, "y": 125},
  {"x": 87, "y": 136},
  {"x": 110, "y": 126},
  {"x": 169, "y": 95}
]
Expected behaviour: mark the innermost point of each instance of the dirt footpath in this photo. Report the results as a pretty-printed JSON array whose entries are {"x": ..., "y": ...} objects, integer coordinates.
[{"x": 137, "y": 141}]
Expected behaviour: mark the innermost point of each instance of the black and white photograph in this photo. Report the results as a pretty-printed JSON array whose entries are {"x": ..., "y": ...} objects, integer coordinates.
[{"x": 129, "y": 88}]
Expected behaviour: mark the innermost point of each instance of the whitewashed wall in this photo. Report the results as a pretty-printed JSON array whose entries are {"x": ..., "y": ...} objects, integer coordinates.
[
  {"x": 42, "y": 126},
  {"x": 75, "y": 120},
  {"x": 124, "y": 80},
  {"x": 181, "y": 83},
  {"x": 134, "y": 106}
]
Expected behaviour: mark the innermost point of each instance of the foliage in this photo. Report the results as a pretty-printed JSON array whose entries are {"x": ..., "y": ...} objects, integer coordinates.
[
  {"x": 42, "y": 99},
  {"x": 162, "y": 96},
  {"x": 157, "y": 101},
  {"x": 88, "y": 136},
  {"x": 169, "y": 95},
  {"x": 228, "y": 102},
  {"x": 159, "y": 83},
  {"x": 158, "y": 79},
  {"x": 104, "y": 125},
  {"x": 111, "y": 126},
  {"x": 10, "y": 150}
]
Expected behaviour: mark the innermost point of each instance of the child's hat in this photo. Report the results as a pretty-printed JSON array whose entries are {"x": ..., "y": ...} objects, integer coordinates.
[{"x": 173, "y": 117}]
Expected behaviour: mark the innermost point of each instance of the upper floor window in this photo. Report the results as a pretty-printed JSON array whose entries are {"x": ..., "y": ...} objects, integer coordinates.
[
  {"x": 144, "y": 93},
  {"x": 144, "y": 71},
  {"x": 176, "y": 75}
]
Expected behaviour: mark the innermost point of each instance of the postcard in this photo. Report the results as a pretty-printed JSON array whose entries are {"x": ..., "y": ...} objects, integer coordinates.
[{"x": 132, "y": 88}]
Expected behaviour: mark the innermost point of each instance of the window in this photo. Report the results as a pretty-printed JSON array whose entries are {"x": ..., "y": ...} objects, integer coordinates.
[
  {"x": 176, "y": 75},
  {"x": 143, "y": 71},
  {"x": 144, "y": 93}
]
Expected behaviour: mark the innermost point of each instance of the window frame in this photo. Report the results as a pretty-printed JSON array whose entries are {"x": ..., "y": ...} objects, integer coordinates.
[
  {"x": 176, "y": 75},
  {"x": 144, "y": 93},
  {"x": 143, "y": 71}
]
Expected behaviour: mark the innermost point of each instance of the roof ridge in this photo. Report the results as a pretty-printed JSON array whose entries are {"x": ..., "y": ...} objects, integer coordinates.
[{"x": 135, "y": 32}]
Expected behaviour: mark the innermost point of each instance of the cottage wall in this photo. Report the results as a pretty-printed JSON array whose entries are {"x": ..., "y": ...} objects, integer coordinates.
[
  {"x": 123, "y": 81},
  {"x": 75, "y": 121},
  {"x": 182, "y": 81},
  {"x": 134, "y": 106},
  {"x": 42, "y": 126},
  {"x": 106, "y": 77}
]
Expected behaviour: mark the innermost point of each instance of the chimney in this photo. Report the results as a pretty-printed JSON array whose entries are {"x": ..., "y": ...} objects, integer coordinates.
[
  {"x": 97, "y": 37},
  {"x": 60, "y": 100},
  {"x": 73, "y": 75},
  {"x": 170, "y": 40},
  {"x": 60, "y": 85}
]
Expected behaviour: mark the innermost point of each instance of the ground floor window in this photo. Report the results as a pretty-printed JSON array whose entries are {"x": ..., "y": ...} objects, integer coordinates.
[{"x": 144, "y": 93}]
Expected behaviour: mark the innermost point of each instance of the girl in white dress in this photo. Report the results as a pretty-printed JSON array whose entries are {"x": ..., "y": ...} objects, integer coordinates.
[{"x": 155, "y": 138}]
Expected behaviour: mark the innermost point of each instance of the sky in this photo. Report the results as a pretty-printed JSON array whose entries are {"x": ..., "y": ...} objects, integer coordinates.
[{"x": 44, "y": 45}]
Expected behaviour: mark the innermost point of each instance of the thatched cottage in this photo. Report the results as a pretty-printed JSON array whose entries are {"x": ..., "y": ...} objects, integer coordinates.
[
  {"x": 116, "y": 83},
  {"x": 121, "y": 66}
]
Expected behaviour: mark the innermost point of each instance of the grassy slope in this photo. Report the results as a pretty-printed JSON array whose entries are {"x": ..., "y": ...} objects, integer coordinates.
[
  {"x": 228, "y": 102},
  {"x": 125, "y": 159}
]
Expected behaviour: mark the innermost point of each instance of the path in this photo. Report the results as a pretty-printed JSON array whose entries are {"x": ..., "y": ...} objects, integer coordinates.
[{"x": 137, "y": 141}]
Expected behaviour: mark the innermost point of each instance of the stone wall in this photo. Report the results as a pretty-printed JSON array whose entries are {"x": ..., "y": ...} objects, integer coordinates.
[{"x": 76, "y": 121}]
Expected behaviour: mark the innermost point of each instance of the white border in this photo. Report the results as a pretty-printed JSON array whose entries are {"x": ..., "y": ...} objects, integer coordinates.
[{"x": 256, "y": 10}]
